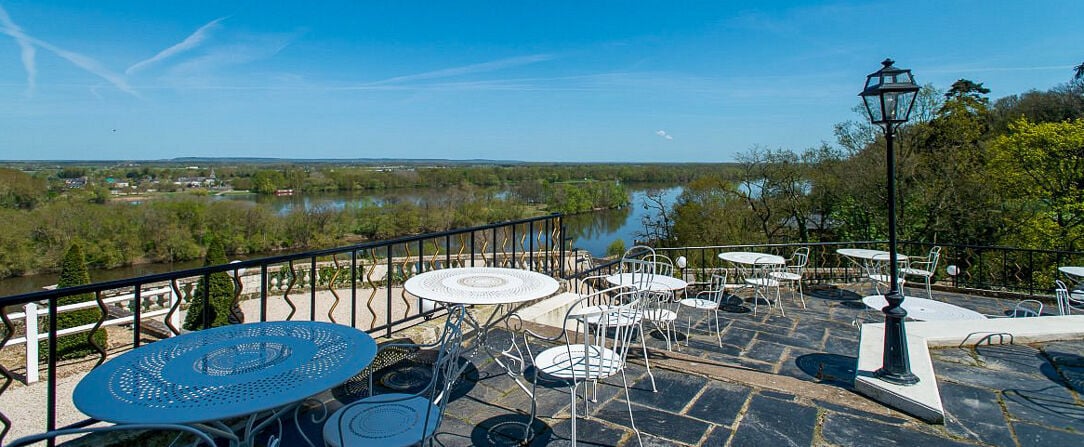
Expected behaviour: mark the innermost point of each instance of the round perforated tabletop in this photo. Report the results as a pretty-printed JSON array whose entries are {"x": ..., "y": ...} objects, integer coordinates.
[
  {"x": 224, "y": 372},
  {"x": 923, "y": 309},
  {"x": 481, "y": 285}
]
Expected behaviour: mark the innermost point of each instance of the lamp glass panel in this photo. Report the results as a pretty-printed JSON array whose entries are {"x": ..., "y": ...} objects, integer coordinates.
[
  {"x": 890, "y": 104},
  {"x": 873, "y": 107}
]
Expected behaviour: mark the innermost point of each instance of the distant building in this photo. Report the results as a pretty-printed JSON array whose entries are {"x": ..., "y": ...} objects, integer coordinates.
[{"x": 75, "y": 183}]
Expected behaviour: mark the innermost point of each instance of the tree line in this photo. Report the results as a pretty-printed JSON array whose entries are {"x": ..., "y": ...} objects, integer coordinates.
[
  {"x": 45, "y": 217},
  {"x": 969, "y": 171}
]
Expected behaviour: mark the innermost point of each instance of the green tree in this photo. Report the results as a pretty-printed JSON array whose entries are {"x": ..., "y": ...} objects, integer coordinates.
[
  {"x": 1041, "y": 169},
  {"x": 220, "y": 291},
  {"x": 73, "y": 272},
  {"x": 20, "y": 190}
]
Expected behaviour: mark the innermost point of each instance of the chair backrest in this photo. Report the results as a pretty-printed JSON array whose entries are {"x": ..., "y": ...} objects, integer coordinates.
[
  {"x": 799, "y": 259},
  {"x": 716, "y": 287},
  {"x": 447, "y": 367},
  {"x": 662, "y": 263},
  {"x": 1067, "y": 303},
  {"x": 762, "y": 268},
  {"x": 935, "y": 255},
  {"x": 1027, "y": 308},
  {"x": 633, "y": 263},
  {"x": 608, "y": 336}
]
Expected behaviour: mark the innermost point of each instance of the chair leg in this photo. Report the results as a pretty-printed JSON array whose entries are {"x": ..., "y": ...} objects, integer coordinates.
[
  {"x": 689, "y": 328},
  {"x": 572, "y": 392},
  {"x": 643, "y": 346},
  {"x": 628, "y": 401},
  {"x": 801, "y": 295},
  {"x": 929, "y": 291},
  {"x": 718, "y": 329}
]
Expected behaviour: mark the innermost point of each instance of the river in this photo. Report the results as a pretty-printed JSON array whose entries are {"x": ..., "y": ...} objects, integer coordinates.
[{"x": 593, "y": 232}]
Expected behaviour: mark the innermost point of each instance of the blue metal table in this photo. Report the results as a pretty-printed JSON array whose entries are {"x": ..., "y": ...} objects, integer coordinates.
[{"x": 261, "y": 371}]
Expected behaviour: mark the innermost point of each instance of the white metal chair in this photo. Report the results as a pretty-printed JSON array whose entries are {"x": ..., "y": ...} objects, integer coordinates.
[
  {"x": 878, "y": 272},
  {"x": 1027, "y": 308},
  {"x": 400, "y": 419},
  {"x": 662, "y": 311},
  {"x": 707, "y": 301},
  {"x": 793, "y": 271},
  {"x": 1068, "y": 304},
  {"x": 591, "y": 351},
  {"x": 924, "y": 267},
  {"x": 761, "y": 280}
]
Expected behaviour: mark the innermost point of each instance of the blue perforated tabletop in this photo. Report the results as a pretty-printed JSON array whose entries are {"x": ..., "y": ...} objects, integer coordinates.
[{"x": 224, "y": 372}]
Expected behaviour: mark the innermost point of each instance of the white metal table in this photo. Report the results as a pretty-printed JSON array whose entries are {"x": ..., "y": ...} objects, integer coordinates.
[
  {"x": 751, "y": 258},
  {"x": 869, "y": 255},
  {"x": 923, "y": 309},
  {"x": 503, "y": 288},
  {"x": 1075, "y": 272},
  {"x": 261, "y": 371},
  {"x": 659, "y": 283}
]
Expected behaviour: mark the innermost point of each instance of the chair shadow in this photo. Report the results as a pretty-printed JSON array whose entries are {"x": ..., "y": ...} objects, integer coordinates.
[
  {"x": 1065, "y": 368},
  {"x": 1046, "y": 402},
  {"x": 836, "y": 294},
  {"x": 508, "y": 430},
  {"x": 409, "y": 375},
  {"x": 832, "y": 369}
]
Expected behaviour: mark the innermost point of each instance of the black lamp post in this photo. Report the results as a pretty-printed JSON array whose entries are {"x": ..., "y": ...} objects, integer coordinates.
[{"x": 889, "y": 94}]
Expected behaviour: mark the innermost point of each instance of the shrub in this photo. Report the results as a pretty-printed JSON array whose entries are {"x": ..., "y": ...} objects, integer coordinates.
[
  {"x": 73, "y": 272},
  {"x": 220, "y": 293},
  {"x": 616, "y": 248}
]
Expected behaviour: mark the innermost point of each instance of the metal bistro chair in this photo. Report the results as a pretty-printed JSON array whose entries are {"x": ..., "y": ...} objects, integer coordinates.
[
  {"x": 1067, "y": 303},
  {"x": 707, "y": 301},
  {"x": 924, "y": 267},
  {"x": 590, "y": 351},
  {"x": 761, "y": 280},
  {"x": 878, "y": 272},
  {"x": 793, "y": 271},
  {"x": 399, "y": 419},
  {"x": 662, "y": 306}
]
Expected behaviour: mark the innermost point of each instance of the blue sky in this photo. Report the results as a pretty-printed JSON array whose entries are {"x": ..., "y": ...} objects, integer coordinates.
[{"x": 554, "y": 81}]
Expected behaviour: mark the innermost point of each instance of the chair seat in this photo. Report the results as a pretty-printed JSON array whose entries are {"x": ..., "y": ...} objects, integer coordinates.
[
  {"x": 618, "y": 318},
  {"x": 916, "y": 272},
  {"x": 383, "y": 420},
  {"x": 762, "y": 282},
  {"x": 585, "y": 362},
  {"x": 698, "y": 303},
  {"x": 880, "y": 278},
  {"x": 787, "y": 276},
  {"x": 660, "y": 315}
]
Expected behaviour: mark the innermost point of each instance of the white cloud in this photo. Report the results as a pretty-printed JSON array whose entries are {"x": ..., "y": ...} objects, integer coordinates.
[
  {"x": 662, "y": 133},
  {"x": 27, "y": 49},
  {"x": 190, "y": 42}
]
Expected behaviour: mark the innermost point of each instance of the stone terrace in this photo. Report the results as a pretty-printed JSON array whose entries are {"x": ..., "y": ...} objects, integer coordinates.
[{"x": 776, "y": 381}]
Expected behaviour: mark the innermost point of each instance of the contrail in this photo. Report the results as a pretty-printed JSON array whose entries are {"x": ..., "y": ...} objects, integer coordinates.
[
  {"x": 468, "y": 69},
  {"x": 190, "y": 42},
  {"x": 28, "y": 51}
]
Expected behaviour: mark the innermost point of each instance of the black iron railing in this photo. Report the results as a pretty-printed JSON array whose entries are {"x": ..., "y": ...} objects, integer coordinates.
[
  {"x": 358, "y": 285},
  {"x": 982, "y": 269}
]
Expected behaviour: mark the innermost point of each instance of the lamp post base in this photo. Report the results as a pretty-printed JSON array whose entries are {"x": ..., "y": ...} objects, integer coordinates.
[{"x": 906, "y": 378}]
